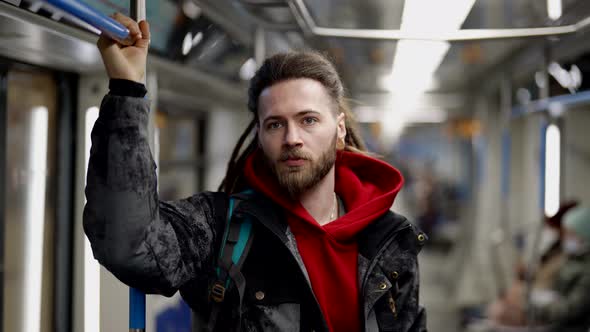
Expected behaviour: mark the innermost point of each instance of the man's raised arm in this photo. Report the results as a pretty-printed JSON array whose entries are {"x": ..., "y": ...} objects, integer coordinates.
[{"x": 150, "y": 245}]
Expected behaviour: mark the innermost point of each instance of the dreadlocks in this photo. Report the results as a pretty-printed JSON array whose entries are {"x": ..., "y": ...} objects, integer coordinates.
[{"x": 281, "y": 67}]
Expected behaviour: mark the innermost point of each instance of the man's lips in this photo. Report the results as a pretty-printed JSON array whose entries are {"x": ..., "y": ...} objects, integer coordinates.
[{"x": 294, "y": 161}]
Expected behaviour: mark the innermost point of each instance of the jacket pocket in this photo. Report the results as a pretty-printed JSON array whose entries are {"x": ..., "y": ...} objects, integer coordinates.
[{"x": 268, "y": 313}]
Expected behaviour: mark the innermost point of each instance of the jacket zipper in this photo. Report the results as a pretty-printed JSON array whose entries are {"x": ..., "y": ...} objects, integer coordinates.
[{"x": 392, "y": 306}]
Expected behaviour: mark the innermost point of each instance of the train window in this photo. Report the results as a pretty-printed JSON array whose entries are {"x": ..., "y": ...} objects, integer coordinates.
[
  {"x": 30, "y": 209},
  {"x": 180, "y": 165}
]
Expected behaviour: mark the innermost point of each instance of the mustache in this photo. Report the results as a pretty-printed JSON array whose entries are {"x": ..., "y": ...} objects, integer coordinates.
[{"x": 294, "y": 154}]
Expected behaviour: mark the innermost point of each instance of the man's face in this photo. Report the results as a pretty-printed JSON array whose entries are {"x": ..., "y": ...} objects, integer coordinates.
[{"x": 298, "y": 129}]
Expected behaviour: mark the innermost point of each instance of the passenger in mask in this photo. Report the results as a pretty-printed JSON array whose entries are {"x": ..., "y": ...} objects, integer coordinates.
[
  {"x": 508, "y": 309},
  {"x": 574, "y": 244},
  {"x": 566, "y": 307}
]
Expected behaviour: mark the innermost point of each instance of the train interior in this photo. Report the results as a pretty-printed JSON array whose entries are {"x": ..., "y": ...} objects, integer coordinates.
[{"x": 483, "y": 105}]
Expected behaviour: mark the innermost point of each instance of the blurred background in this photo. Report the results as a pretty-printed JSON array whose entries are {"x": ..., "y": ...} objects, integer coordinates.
[{"x": 484, "y": 105}]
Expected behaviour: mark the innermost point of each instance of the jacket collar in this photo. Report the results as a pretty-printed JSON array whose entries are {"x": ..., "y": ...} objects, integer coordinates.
[
  {"x": 375, "y": 235},
  {"x": 272, "y": 217},
  {"x": 265, "y": 211}
]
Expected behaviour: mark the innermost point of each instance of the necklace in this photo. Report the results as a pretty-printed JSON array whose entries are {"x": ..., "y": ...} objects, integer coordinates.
[{"x": 334, "y": 206}]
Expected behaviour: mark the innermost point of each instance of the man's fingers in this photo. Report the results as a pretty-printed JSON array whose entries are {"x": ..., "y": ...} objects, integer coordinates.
[
  {"x": 139, "y": 34},
  {"x": 130, "y": 24},
  {"x": 144, "y": 42},
  {"x": 104, "y": 42},
  {"x": 144, "y": 27}
]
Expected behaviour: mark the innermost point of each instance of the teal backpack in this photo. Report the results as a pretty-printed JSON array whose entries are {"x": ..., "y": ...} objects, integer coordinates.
[{"x": 237, "y": 240}]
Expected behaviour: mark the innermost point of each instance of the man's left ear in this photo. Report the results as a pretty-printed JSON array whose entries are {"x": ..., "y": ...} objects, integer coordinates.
[
  {"x": 341, "y": 120},
  {"x": 341, "y": 132}
]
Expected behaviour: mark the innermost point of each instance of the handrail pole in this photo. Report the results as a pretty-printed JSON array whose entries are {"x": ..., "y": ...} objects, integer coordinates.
[
  {"x": 89, "y": 15},
  {"x": 137, "y": 12}
]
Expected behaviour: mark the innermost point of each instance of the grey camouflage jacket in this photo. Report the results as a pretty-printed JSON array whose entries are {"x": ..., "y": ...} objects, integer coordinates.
[{"x": 163, "y": 247}]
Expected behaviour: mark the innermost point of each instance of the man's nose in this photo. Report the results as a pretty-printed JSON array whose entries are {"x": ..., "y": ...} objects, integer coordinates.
[{"x": 292, "y": 137}]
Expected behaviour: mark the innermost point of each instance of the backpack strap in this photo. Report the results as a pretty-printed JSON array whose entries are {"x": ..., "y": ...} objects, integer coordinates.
[{"x": 237, "y": 240}]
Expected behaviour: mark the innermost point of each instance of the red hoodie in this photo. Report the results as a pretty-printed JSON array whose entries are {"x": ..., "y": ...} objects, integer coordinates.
[{"x": 368, "y": 188}]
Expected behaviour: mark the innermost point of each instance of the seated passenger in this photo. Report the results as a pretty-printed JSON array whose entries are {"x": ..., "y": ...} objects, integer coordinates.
[
  {"x": 507, "y": 309},
  {"x": 567, "y": 305}
]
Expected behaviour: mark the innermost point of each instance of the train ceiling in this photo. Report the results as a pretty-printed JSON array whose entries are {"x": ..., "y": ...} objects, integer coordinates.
[{"x": 217, "y": 38}]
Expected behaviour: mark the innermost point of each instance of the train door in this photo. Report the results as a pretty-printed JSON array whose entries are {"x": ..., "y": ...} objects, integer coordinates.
[
  {"x": 36, "y": 162},
  {"x": 29, "y": 212}
]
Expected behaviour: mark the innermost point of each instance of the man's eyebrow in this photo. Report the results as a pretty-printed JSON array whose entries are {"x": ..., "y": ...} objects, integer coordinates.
[
  {"x": 299, "y": 114},
  {"x": 305, "y": 112}
]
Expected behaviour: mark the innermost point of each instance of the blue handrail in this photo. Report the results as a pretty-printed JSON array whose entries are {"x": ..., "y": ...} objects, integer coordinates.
[
  {"x": 540, "y": 105},
  {"x": 137, "y": 313},
  {"x": 114, "y": 30},
  {"x": 136, "y": 310},
  {"x": 95, "y": 18}
]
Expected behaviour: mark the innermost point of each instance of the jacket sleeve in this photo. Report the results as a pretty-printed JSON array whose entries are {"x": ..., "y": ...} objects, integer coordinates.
[
  {"x": 148, "y": 244},
  {"x": 419, "y": 324}
]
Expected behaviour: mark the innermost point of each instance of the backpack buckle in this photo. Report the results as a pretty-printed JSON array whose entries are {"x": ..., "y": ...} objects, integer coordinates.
[{"x": 217, "y": 292}]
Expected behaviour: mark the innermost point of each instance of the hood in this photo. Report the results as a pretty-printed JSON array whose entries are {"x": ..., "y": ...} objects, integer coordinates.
[{"x": 367, "y": 187}]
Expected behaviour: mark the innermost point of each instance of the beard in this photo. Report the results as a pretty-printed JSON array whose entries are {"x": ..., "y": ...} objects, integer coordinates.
[{"x": 297, "y": 179}]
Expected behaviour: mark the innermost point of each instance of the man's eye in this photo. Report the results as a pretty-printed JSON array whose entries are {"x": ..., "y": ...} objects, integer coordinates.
[
  {"x": 309, "y": 120},
  {"x": 273, "y": 125}
]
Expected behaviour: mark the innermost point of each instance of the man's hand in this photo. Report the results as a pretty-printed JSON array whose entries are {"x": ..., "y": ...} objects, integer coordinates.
[{"x": 126, "y": 59}]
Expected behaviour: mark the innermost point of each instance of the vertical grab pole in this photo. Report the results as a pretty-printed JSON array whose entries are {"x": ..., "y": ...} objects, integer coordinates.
[
  {"x": 136, "y": 310},
  {"x": 137, "y": 298}
]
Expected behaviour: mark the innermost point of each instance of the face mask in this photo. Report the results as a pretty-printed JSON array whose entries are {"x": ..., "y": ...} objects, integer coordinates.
[{"x": 572, "y": 246}]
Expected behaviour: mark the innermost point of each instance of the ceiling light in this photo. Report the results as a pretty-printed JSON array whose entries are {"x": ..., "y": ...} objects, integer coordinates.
[
  {"x": 187, "y": 43},
  {"x": 415, "y": 62},
  {"x": 368, "y": 114},
  {"x": 554, "y": 9},
  {"x": 191, "y": 10},
  {"x": 248, "y": 69},
  {"x": 552, "y": 169},
  {"x": 571, "y": 80},
  {"x": 197, "y": 39}
]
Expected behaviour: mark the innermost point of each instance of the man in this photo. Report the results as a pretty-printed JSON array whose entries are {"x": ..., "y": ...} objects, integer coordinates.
[{"x": 326, "y": 252}]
